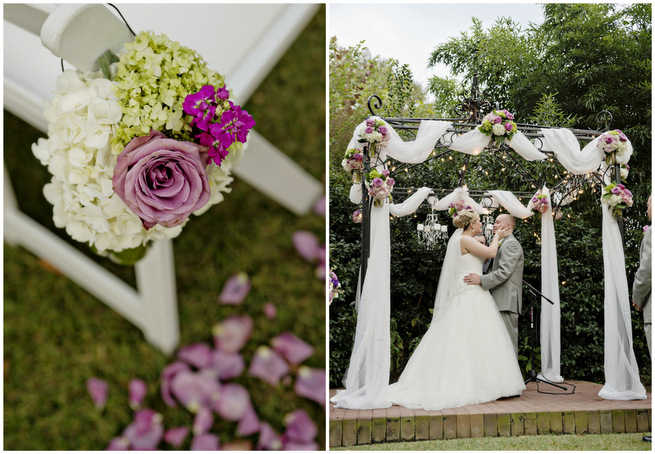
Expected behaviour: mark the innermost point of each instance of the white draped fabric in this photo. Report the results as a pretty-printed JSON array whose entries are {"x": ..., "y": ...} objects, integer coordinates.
[
  {"x": 367, "y": 378},
  {"x": 474, "y": 141},
  {"x": 550, "y": 313},
  {"x": 511, "y": 204},
  {"x": 621, "y": 370},
  {"x": 459, "y": 194}
]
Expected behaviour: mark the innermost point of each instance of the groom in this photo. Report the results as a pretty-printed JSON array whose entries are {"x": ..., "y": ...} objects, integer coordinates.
[{"x": 504, "y": 278}]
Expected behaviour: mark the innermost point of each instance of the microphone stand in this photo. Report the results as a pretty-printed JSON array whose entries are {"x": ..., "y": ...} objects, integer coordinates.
[{"x": 532, "y": 373}]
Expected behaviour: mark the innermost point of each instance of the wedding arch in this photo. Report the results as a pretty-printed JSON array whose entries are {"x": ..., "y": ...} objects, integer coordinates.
[{"x": 377, "y": 144}]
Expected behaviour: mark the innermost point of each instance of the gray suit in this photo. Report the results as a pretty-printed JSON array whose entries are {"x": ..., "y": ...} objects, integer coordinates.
[
  {"x": 641, "y": 288},
  {"x": 505, "y": 282}
]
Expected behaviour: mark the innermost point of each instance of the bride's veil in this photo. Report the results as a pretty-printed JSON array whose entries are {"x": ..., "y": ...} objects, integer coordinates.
[{"x": 447, "y": 284}]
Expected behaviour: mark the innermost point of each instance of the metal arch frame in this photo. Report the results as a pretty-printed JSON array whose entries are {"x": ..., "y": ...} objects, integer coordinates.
[{"x": 473, "y": 108}]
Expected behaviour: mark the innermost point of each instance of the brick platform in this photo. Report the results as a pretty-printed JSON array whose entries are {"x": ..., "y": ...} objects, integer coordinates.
[{"x": 533, "y": 413}]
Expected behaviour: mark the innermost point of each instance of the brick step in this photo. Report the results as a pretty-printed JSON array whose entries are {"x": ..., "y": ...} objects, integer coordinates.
[{"x": 533, "y": 413}]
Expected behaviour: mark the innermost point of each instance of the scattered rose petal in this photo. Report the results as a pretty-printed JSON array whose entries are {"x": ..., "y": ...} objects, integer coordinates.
[
  {"x": 300, "y": 427},
  {"x": 99, "y": 390},
  {"x": 268, "y": 365},
  {"x": 195, "y": 390},
  {"x": 227, "y": 365},
  {"x": 198, "y": 355},
  {"x": 319, "y": 206},
  {"x": 268, "y": 439},
  {"x": 176, "y": 436},
  {"x": 310, "y": 383},
  {"x": 249, "y": 423},
  {"x": 293, "y": 446},
  {"x": 146, "y": 431},
  {"x": 203, "y": 421},
  {"x": 238, "y": 445},
  {"x": 233, "y": 402},
  {"x": 232, "y": 333},
  {"x": 167, "y": 376},
  {"x": 270, "y": 311},
  {"x": 137, "y": 391},
  {"x": 118, "y": 444},
  {"x": 205, "y": 442},
  {"x": 235, "y": 289},
  {"x": 292, "y": 348},
  {"x": 306, "y": 244}
]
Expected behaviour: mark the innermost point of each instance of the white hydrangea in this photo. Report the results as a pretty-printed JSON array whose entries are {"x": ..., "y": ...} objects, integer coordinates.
[
  {"x": 82, "y": 119},
  {"x": 499, "y": 129}
]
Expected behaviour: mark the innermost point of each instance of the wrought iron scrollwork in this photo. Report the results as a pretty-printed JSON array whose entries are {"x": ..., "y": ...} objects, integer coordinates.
[
  {"x": 377, "y": 105},
  {"x": 604, "y": 118},
  {"x": 473, "y": 106}
]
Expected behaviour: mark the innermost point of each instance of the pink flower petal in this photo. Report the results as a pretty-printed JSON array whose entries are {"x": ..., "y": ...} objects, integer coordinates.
[
  {"x": 176, "y": 436},
  {"x": 310, "y": 383},
  {"x": 118, "y": 444},
  {"x": 205, "y": 442},
  {"x": 167, "y": 376},
  {"x": 198, "y": 355},
  {"x": 268, "y": 365},
  {"x": 137, "y": 391},
  {"x": 292, "y": 348},
  {"x": 268, "y": 439},
  {"x": 235, "y": 289},
  {"x": 249, "y": 423},
  {"x": 203, "y": 421},
  {"x": 227, "y": 365},
  {"x": 232, "y": 333},
  {"x": 306, "y": 244},
  {"x": 195, "y": 390},
  {"x": 300, "y": 427},
  {"x": 270, "y": 311},
  {"x": 233, "y": 402},
  {"x": 319, "y": 206},
  {"x": 98, "y": 390},
  {"x": 146, "y": 431}
]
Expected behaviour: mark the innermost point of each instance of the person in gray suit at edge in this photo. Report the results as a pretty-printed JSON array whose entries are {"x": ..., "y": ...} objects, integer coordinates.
[
  {"x": 641, "y": 288},
  {"x": 505, "y": 279}
]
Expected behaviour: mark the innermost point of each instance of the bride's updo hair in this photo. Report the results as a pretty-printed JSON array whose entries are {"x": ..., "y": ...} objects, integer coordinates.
[{"x": 464, "y": 217}]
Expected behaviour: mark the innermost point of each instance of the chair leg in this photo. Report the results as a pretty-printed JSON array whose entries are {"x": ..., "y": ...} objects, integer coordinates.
[{"x": 155, "y": 276}]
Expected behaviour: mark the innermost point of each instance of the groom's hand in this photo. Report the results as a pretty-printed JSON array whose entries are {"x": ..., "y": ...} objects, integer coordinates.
[{"x": 472, "y": 279}]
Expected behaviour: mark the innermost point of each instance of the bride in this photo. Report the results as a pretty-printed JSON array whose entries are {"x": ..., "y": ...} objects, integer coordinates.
[{"x": 466, "y": 357}]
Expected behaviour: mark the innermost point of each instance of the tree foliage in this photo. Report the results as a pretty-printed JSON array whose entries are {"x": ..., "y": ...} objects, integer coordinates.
[{"x": 583, "y": 59}]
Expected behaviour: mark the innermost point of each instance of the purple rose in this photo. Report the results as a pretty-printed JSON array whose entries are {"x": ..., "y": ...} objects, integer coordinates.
[
  {"x": 370, "y": 122},
  {"x": 377, "y": 182},
  {"x": 497, "y": 119},
  {"x": 508, "y": 115},
  {"x": 390, "y": 182},
  {"x": 162, "y": 180},
  {"x": 382, "y": 130},
  {"x": 358, "y": 156},
  {"x": 368, "y": 130},
  {"x": 609, "y": 139},
  {"x": 508, "y": 126},
  {"x": 385, "y": 173}
]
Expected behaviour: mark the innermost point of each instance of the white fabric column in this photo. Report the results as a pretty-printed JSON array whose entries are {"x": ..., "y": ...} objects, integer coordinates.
[
  {"x": 550, "y": 313},
  {"x": 621, "y": 370}
]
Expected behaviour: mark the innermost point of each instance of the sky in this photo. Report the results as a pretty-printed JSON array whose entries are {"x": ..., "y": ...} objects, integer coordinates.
[{"x": 410, "y": 32}]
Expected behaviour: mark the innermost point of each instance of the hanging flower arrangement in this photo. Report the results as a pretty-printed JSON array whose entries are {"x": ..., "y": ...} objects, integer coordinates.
[
  {"x": 380, "y": 186},
  {"x": 457, "y": 206},
  {"x": 615, "y": 145},
  {"x": 357, "y": 216},
  {"x": 625, "y": 171},
  {"x": 499, "y": 125},
  {"x": 353, "y": 164},
  {"x": 539, "y": 202},
  {"x": 132, "y": 158},
  {"x": 617, "y": 198},
  {"x": 376, "y": 133},
  {"x": 335, "y": 286}
]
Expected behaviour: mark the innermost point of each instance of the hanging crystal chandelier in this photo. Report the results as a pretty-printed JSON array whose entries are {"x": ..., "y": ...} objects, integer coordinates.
[{"x": 431, "y": 233}]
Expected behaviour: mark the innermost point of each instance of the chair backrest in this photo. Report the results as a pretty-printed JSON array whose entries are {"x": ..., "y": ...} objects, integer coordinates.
[{"x": 80, "y": 34}]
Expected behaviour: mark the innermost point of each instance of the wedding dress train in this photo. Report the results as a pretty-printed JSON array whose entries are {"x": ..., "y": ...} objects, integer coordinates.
[{"x": 466, "y": 357}]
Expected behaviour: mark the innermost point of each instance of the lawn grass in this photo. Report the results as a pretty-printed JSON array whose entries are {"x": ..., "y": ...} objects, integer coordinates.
[
  {"x": 604, "y": 442},
  {"x": 56, "y": 335}
]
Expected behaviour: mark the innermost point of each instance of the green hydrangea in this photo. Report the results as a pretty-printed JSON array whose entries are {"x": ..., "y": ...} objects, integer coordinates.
[{"x": 154, "y": 76}]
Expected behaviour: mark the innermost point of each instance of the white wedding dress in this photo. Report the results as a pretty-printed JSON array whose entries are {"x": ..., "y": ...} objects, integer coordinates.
[{"x": 466, "y": 357}]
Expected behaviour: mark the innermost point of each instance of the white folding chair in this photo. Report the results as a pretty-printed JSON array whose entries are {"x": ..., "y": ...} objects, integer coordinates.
[{"x": 241, "y": 41}]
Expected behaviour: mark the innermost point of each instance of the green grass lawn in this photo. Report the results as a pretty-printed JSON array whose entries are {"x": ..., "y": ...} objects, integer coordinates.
[
  {"x": 605, "y": 442},
  {"x": 56, "y": 335}
]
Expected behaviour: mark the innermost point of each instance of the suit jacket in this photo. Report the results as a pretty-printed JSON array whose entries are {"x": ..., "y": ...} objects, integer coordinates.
[
  {"x": 641, "y": 288},
  {"x": 505, "y": 280}
]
